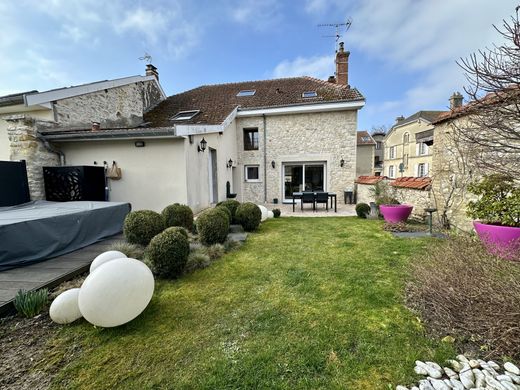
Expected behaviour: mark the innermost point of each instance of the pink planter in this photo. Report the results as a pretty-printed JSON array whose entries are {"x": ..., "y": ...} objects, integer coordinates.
[
  {"x": 503, "y": 241},
  {"x": 395, "y": 213}
]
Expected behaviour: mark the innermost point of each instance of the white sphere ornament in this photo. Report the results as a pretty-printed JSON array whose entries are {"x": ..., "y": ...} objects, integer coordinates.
[
  {"x": 118, "y": 294},
  {"x": 64, "y": 309},
  {"x": 263, "y": 209},
  {"x": 106, "y": 257},
  {"x": 270, "y": 214}
]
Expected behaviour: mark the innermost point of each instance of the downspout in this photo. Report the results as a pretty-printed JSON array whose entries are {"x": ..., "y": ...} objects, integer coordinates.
[
  {"x": 51, "y": 148},
  {"x": 265, "y": 159}
]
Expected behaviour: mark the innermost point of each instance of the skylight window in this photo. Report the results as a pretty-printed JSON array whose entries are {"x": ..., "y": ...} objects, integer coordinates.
[
  {"x": 247, "y": 92},
  {"x": 365, "y": 139},
  {"x": 185, "y": 115},
  {"x": 309, "y": 94}
]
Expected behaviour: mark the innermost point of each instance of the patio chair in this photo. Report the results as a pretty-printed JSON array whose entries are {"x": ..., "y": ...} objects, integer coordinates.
[
  {"x": 323, "y": 198},
  {"x": 308, "y": 197}
]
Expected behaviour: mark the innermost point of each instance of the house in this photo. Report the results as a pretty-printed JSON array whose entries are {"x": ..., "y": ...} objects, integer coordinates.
[
  {"x": 365, "y": 154},
  {"x": 406, "y": 155},
  {"x": 379, "y": 153}
]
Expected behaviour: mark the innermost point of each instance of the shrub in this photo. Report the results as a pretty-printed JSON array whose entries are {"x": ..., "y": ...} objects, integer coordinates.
[
  {"x": 214, "y": 251},
  {"x": 232, "y": 206},
  {"x": 179, "y": 229},
  {"x": 178, "y": 215},
  {"x": 499, "y": 201},
  {"x": 231, "y": 245},
  {"x": 212, "y": 226},
  {"x": 461, "y": 289},
  {"x": 226, "y": 210},
  {"x": 249, "y": 216},
  {"x": 383, "y": 194},
  {"x": 277, "y": 213},
  {"x": 362, "y": 210},
  {"x": 141, "y": 226},
  {"x": 168, "y": 253},
  {"x": 196, "y": 260},
  {"x": 133, "y": 251},
  {"x": 31, "y": 303}
]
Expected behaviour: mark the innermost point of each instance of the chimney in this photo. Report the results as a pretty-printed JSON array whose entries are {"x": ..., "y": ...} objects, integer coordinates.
[
  {"x": 456, "y": 100},
  {"x": 399, "y": 119},
  {"x": 152, "y": 71},
  {"x": 95, "y": 126},
  {"x": 332, "y": 79},
  {"x": 342, "y": 65}
]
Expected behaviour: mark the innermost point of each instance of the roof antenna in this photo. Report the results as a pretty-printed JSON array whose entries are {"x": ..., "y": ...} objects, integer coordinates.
[
  {"x": 147, "y": 57},
  {"x": 338, "y": 28}
]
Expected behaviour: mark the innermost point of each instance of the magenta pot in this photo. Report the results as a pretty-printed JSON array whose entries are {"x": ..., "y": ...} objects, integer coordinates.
[
  {"x": 395, "y": 213},
  {"x": 503, "y": 241}
]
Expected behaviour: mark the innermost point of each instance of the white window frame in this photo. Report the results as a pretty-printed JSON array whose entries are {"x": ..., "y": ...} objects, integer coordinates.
[
  {"x": 185, "y": 115},
  {"x": 392, "y": 152},
  {"x": 246, "y": 176},
  {"x": 424, "y": 168},
  {"x": 246, "y": 92},
  {"x": 391, "y": 171},
  {"x": 406, "y": 138},
  {"x": 422, "y": 149},
  {"x": 309, "y": 94}
]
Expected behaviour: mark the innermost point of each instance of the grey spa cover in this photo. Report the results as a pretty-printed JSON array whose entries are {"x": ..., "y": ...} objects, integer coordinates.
[{"x": 38, "y": 230}]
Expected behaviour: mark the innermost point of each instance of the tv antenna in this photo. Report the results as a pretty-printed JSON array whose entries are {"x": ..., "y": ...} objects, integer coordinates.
[
  {"x": 338, "y": 27},
  {"x": 147, "y": 57}
]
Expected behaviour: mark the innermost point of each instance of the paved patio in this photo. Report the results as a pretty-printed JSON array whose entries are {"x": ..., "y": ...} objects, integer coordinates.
[{"x": 344, "y": 210}]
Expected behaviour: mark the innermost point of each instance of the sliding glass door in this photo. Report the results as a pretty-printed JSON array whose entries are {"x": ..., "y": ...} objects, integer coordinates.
[{"x": 299, "y": 177}]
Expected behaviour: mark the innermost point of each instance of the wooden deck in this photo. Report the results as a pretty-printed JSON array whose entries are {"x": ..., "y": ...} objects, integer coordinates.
[{"x": 48, "y": 273}]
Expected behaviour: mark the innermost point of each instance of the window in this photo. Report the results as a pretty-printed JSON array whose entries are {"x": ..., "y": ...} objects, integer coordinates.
[
  {"x": 422, "y": 170},
  {"x": 391, "y": 171},
  {"x": 405, "y": 160},
  {"x": 365, "y": 139},
  {"x": 309, "y": 94},
  {"x": 247, "y": 92},
  {"x": 406, "y": 138},
  {"x": 250, "y": 139},
  {"x": 252, "y": 173},
  {"x": 185, "y": 115},
  {"x": 422, "y": 149},
  {"x": 392, "y": 151},
  {"x": 379, "y": 144}
]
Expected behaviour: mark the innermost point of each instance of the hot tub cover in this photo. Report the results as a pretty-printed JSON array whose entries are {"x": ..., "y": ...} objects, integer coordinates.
[{"x": 38, "y": 230}]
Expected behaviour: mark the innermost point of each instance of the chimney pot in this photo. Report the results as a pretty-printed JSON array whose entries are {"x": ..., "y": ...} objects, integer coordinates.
[
  {"x": 399, "y": 119},
  {"x": 456, "y": 100},
  {"x": 342, "y": 65},
  {"x": 152, "y": 71},
  {"x": 95, "y": 126}
]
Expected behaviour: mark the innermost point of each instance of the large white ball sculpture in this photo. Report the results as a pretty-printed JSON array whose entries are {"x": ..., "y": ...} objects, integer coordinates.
[
  {"x": 116, "y": 293},
  {"x": 105, "y": 257},
  {"x": 270, "y": 214},
  {"x": 64, "y": 309},
  {"x": 263, "y": 209}
]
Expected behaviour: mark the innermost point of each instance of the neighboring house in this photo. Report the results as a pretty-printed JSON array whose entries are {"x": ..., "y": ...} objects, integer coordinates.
[
  {"x": 379, "y": 152},
  {"x": 365, "y": 154},
  {"x": 405, "y": 154}
]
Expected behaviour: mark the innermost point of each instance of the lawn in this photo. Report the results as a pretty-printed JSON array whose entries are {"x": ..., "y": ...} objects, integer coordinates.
[{"x": 306, "y": 303}]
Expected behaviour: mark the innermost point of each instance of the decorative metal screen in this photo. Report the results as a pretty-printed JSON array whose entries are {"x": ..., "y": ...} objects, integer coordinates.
[{"x": 74, "y": 183}]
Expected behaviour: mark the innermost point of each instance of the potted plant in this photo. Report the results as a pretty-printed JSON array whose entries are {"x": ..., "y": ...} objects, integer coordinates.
[
  {"x": 497, "y": 214},
  {"x": 389, "y": 207}
]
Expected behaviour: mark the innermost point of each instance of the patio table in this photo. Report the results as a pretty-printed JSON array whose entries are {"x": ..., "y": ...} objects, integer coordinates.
[{"x": 332, "y": 196}]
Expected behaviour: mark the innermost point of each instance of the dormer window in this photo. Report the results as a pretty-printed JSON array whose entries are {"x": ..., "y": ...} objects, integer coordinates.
[
  {"x": 247, "y": 92},
  {"x": 185, "y": 115},
  {"x": 309, "y": 94}
]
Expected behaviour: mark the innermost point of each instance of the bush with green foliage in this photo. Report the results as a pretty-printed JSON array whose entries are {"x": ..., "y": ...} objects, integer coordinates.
[
  {"x": 214, "y": 251},
  {"x": 132, "y": 251},
  {"x": 499, "y": 202},
  {"x": 31, "y": 303},
  {"x": 226, "y": 210},
  {"x": 178, "y": 215},
  {"x": 362, "y": 210},
  {"x": 277, "y": 213},
  {"x": 168, "y": 253},
  {"x": 196, "y": 260},
  {"x": 249, "y": 216},
  {"x": 231, "y": 245},
  {"x": 143, "y": 225},
  {"x": 213, "y": 226},
  {"x": 232, "y": 206}
]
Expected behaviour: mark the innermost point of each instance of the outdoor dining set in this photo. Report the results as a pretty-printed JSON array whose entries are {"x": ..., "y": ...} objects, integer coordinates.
[{"x": 315, "y": 198}]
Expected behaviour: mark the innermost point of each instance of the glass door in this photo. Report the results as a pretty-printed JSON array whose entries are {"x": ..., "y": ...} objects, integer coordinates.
[
  {"x": 293, "y": 180},
  {"x": 299, "y": 177}
]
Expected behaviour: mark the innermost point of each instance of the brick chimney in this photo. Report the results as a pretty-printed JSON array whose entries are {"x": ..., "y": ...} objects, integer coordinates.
[
  {"x": 456, "y": 100},
  {"x": 342, "y": 65},
  {"x": 152, "y": 71}
]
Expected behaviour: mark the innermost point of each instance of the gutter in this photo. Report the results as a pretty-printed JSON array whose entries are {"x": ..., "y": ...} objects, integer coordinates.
[
  {"x": 110, "y": 134},
  {"x": 265, "y": 157}
]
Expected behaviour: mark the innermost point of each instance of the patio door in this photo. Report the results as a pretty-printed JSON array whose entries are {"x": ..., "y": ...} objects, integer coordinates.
[{"x": 299, "y": 177}]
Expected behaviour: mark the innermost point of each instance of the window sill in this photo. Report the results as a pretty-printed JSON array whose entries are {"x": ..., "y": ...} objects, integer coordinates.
[{"x": 252, "y": 181}]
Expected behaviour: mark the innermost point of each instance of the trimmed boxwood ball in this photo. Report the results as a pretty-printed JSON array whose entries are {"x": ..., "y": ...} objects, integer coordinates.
[
  {"x": 362, "y": 209},
  {"x": 178, "y": 215},
  {"x": 179, "y": 229},
  {"x": 213, "y": 226},
  {"x": 231, "y": 205},
  {"x": 142, "y": 225},
  {"x": 227, "y": 211},
  {"x": 277, "y": 213},
  {"x": 249, "y": 216},
  {"x": 168, "y": 253}
]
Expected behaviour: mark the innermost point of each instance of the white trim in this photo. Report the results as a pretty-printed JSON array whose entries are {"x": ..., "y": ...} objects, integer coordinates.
[
  {"x": 304, "y": 108},
  {"x": 246, "y": 179},
  {"x": 44, "y": 98},
  {"x": 205, "y": 129}
]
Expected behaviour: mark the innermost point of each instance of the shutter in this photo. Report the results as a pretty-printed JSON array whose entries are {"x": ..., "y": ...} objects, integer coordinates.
[
  {"x": 426, "y": 169},
  {"x": 417, "y": 149},
  {"x": 416, "y": 170}
]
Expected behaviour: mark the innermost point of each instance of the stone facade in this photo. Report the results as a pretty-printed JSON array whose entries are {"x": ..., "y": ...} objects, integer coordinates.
[
  {"x": 326, "y": 137},
  {"x": 365, "y": 160}
]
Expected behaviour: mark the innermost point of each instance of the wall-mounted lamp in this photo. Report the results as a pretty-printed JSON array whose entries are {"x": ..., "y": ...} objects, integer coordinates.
[
  {"x": 201, "y": 147},
  {"x": 341, "y": 163},
  {"x": 273, "y": 164},
  {"x": 229, "y": 164},
  {"x": 139, "y": 144}
]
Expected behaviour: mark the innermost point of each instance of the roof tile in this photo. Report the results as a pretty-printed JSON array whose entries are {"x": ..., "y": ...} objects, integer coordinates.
[{"x": 417, "y": 183}]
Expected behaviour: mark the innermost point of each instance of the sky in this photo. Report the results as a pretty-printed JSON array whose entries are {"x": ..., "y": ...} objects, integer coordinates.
[{"x": 403, "y": 52}]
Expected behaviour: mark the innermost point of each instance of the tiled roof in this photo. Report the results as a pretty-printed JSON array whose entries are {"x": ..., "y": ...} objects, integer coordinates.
[
  {"x": 370, "y": 179},
  {"x": 364, "y": 138},
  {"x": 417, "y": 183},
  {"x": 430, "y": 116},
  {"x": 216, "y": 102}
]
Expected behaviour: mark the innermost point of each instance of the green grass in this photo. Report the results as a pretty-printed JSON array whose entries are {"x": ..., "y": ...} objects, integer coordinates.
[{"x": 306, "y": 303}]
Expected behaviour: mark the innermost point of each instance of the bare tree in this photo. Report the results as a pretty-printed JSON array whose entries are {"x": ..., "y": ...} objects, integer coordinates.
[
  {"x": 493, "y": 124},
  {"x": 381, "y": 129}
]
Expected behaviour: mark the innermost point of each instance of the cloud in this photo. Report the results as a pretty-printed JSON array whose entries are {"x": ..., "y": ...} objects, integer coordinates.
[
  {"x": 319, "y": 67},
  {"x": 259, "y": 15}
]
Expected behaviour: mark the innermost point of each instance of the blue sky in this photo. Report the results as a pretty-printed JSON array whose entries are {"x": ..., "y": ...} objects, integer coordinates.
[{"x": 403, "y": 52}]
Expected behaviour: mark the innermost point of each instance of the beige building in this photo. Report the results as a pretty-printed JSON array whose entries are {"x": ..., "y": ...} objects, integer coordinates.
[
  {"x": 405, "y": 153},
  {"x": 365, "y": 154}
]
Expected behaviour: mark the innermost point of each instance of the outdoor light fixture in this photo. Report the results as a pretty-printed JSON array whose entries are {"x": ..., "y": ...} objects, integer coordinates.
[
  {"x": 202, "y": 145},
  {"x": 229, "y": 163},
  {"x": 341, "y": 163},
  {"x": 139, "y": 144},
  {"x": 273, "y": 164}
]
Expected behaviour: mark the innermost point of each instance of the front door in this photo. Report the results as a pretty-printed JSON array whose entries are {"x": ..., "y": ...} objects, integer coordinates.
[
  {"x": 299, "y": 177},
  {"x": 213, "y": 176}
]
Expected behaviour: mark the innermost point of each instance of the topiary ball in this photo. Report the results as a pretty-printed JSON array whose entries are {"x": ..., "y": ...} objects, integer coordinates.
[
  {"x": 231, "y": 205},
  {"x": 226, "y": 211},
  {"x": 178, "y": 215},
  {"x": 277, "y": 213},
  {"x": 141, "y": 226},
  {"x": 168, "y": 253},
  {"x": 362, "y": 209},
  {"x": 249, "y": 216},
  {"x": 213, "y": 226}
]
